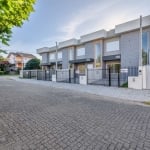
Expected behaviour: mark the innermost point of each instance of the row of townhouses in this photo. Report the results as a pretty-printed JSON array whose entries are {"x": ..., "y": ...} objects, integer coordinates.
[{"x": 115, "y": 49}]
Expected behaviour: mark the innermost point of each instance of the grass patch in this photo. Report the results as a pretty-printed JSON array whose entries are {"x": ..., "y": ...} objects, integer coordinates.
[
  {"x": 146, "y": 103},
  {"x": 125, "y": 85}
]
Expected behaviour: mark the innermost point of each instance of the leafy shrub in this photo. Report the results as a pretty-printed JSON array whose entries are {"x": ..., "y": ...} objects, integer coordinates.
[
  {"x": 125, "y": 85},
  {"x": 32, "y": 64},
  {"x": 1, "y": 72}
]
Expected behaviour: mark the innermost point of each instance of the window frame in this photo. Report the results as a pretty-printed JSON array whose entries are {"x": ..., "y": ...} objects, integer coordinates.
[
  {"x": 71, "y": 53},
  {"x": 80, "y": 50},
  {"x": 51, "y": 54},
  {"x": 115, "y": 44},
  {"x": 96, "y": 56},
  {"x": 59, "y": 54},
  {"x": 146, "y": 48}
]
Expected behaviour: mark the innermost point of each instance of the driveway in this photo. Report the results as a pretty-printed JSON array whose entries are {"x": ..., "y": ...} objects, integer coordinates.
[{"x": 38, "y": 117}]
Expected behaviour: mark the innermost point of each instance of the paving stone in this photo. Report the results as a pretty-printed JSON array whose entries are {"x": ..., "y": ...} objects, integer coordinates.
[{"x": 47, "y": 118}]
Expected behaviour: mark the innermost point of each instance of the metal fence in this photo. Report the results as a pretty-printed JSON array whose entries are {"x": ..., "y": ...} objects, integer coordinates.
[
  {"x": 45, "y": 74},
  {"x": 63, "y": 75},
  {"x": 108, "y": 77},
  {"x": 133, "y": 71},
  {"x": 67, "y": 76},
  {"x": 95, "y": 76},
  {"x": 102, "y": 77},
  {"x": 30, "y": 74},
  {"x": 26, "y": 74},
  {"x": 38, "y": 74},
  {"x": 41, "y": 75}
]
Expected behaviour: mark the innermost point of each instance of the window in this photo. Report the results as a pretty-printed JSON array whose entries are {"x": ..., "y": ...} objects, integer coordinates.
[
  {"x": 81, "y": 68},
  {"x": 97, "y": 55},
  {"x": 114, "y": 67},
  {"x": 44, "y": 58},
  {"x": 52, "y": 56},
  {"x": 145, "y": 49},
  {"x": 112, "y": 46},
  {"x": 80, "y": 51},
  {"x": 71, "y": 54},
  {"x": 60, "y": 55}
]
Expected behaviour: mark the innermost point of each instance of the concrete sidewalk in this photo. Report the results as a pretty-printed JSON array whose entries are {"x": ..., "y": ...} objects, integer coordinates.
[{"x": 114, "y": 92}]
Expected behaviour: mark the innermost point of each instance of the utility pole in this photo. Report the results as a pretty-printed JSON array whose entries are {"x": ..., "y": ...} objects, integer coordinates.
[
  {"x": 140, "y": 45},
  {"x": 56, "y": 55},
  {"x": 140, "y": 52}
]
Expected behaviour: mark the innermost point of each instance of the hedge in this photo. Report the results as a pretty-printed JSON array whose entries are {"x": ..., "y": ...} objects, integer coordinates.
[{"x": 1, "y": 72}]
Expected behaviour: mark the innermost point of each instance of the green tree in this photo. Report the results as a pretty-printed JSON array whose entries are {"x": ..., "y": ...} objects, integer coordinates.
[
  {"x": 2, "y": 58},
  {"x": 3, "y": 51},
  {"x": 3, "y": 64},
  {"x": 12, "y": 14},
  {"x": 32, "y": 64}
]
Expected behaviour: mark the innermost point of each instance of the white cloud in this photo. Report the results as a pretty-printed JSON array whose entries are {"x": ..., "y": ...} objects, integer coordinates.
[
  {"x": 21, "y": 47},
  {"x": 103, "y": 15},
  {"x": 91, "y": 12}
]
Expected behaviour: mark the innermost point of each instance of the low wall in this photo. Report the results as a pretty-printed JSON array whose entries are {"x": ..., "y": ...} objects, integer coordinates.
[{"x": 142, "y": 81}]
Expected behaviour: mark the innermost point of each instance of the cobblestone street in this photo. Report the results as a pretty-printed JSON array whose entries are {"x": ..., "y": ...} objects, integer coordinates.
[{"x": 37, "y": 117}]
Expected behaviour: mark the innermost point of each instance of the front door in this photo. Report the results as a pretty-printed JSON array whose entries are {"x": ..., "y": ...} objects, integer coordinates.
[
  {"x": 80, "y": 69},
  {"x": 114, "y": 66}
]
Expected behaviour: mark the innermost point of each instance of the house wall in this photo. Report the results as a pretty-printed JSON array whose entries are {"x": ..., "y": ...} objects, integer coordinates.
[
  {"x": 45, "y": 57},
  {"x": 129, "y": 45},
  {"x": 26, "y": 59},
  {"x": 11, "y": 59},
  {"x": 89, "y": 51},
  {"x": 112, "y": 52},
  {"x": 79, "y": 57},
  {"x": 19, "y": 59},
  {"x": 65, "y": 56},
  {"x": 128, "y": 48}
]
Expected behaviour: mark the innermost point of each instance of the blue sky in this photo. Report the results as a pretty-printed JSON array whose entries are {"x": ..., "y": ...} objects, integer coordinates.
[{"x": 58, "y": 20}]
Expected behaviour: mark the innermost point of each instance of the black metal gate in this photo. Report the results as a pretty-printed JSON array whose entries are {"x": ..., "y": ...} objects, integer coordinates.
[
  {"x": 63, "y": 75},
  {"x": 48, "y": 74},
  {"x": 45, "y": 74},
  {"x": 30, "y": 74},
  {"x": 99, "y": 77},
  {"x": 26, "y": 74},
  {"x": 67, "y": 76},
  {"x": 109, "y": 77}
]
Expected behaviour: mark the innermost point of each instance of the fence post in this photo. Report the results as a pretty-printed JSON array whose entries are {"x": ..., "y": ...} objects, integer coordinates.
[
  {"x": 87, "y": 75},
  {"x": 42, "y": 74},
  {"x": 45, "y": 75},
  {"x": 74, "y": 75},
  {"x": 56, "y": 75},
  {"x": 109, "y": 77},
  {"x": 22, "y": 74},
  {"x": 69, "y": 76},
  {"x": 30, "y": 74},
  {"x": 49, "y": 74},
  {"x": 36, "y": 74},
  {"x": 118, "y": 78}
]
